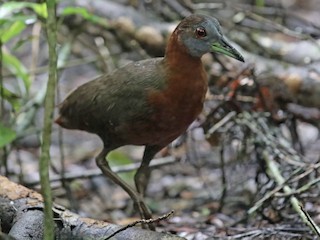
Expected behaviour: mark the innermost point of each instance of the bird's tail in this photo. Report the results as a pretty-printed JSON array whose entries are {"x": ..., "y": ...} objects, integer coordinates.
[{"x": 62, "y": 121}]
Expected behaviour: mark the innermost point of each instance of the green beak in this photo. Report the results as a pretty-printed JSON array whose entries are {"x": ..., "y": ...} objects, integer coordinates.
[{"x": 222, "y": 46}]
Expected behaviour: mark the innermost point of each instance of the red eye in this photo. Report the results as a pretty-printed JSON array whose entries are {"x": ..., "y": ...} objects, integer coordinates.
[{"x": 201, "y": 32}]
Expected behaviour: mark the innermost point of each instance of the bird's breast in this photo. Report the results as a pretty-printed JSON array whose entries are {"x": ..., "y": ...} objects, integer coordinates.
[{"x": 177, "y": 106}]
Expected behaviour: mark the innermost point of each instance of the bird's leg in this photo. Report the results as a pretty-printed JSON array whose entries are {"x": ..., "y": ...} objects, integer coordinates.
[
  {"x": 138, "y": 199},
  {"x": 143, "y": 173}
]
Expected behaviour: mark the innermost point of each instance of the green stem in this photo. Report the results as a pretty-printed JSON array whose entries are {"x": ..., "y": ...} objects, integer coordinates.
[
  {"x": 48, "y": 117},
  {"x": 1, "y": 83}
]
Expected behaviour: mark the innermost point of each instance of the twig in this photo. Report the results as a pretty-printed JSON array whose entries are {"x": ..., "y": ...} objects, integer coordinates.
[
  {"x": 314, "y": 227},
  {"x": 210, "y": 6},
  {"x": 219, "y": 124},
  {"x": 300, "y": 190},
  {"x": 223, "y": 179},
  {"x": 281, "y": 28},
  {"x": 306, "y": 172},
  {"x": 267, "y": 196},
  {"x": 284, "y": 232},
  {"x": 275, "y": 173},
  {"x": 104, "y": 55},
  {"x": 263, "y": 132},
  {"x": 275, "y": 191},
  {"x": 178, "y": 8},
  {"x": 35, "y": 46},
  {"x": 142, "y": 221}
]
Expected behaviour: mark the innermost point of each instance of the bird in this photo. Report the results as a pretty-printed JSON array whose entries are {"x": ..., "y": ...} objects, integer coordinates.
[{"x": 148, "y": 102}]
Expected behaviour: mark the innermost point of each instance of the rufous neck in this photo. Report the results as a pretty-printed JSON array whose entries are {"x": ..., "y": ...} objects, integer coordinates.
[{"x": 177, "y": 55}]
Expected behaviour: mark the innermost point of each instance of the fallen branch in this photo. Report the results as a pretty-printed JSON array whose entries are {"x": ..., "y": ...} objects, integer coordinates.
[{"x": 21, "y": 215}]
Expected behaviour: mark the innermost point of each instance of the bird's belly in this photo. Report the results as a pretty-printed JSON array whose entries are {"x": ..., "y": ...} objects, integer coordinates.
[
  {"x": 153, "y": 134},
  {"x": 162, "y": 127}
]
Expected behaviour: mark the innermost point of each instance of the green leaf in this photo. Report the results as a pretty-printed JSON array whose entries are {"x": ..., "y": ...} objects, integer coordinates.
[
  {"x": 11, "y": 97},
  {"x": 7, "y": 135},
  {"x": 85, "y": 14},
  {"x": 17, "y": 68},
  {"x": 117, "y": 158},
  {"x": 15, "y": 29},
  {"x": 9, "y": 8},
  {"x": 40, "y": 9},
  {"x": 76, "y": 10},
  {"x": 27, "y": 19}
]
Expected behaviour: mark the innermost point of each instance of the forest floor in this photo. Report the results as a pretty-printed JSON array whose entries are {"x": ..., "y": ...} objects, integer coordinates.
[{"x": 243, "y": 166}]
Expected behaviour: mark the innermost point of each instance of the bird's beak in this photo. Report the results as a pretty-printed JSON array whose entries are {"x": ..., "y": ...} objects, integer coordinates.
[{"x": 222, "y": 46}]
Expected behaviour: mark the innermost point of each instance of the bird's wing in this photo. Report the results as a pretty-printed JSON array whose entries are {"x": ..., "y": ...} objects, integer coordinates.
[{"x": 114, "y": 98}]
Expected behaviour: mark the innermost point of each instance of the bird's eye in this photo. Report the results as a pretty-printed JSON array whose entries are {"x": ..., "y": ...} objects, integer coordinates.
[{"x": 201, "y": 32}]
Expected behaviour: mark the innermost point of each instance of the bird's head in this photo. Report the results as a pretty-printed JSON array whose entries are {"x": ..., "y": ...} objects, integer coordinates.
[{"x": 200, "y": 34}]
